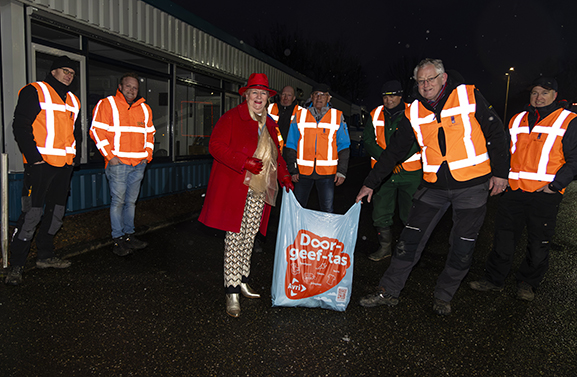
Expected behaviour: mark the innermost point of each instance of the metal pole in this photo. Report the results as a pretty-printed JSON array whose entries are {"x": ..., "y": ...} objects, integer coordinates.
[
  {"x": 4, "y": 225},
  {"x": 506, "y": 99}
]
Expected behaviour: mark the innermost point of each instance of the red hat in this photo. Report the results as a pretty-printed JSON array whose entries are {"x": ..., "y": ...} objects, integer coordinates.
[{"x": 259, "y": 81}]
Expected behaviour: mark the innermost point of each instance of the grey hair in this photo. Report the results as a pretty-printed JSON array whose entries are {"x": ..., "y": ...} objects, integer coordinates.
[{"x": 437, "y": 63}]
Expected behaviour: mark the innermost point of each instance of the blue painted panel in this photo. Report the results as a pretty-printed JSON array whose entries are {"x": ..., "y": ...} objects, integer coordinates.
[{"x": 89, "y": 187}]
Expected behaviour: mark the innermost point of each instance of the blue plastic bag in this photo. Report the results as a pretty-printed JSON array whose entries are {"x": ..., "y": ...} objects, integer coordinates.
[{"x": 314, "y": 256}]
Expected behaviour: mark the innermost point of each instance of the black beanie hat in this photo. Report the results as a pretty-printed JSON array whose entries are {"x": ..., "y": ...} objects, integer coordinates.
[{"x": 64, "y": 61}]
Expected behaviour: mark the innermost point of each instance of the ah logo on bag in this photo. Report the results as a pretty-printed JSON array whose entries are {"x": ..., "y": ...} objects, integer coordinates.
[{"x": 316, "y": 263}]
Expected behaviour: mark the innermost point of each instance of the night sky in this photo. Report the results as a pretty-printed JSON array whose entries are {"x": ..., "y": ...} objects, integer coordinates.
[{"x": 479, "y": 39}]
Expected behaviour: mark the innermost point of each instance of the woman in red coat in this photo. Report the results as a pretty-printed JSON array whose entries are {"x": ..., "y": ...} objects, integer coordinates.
[{"x": 243, "y": 183}]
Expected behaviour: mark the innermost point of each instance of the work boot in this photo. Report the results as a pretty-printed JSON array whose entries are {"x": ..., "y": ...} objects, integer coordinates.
[
  {"x": 378, "y": 298},
  {"x": 14, "y": 277},
  {"x": 120, "y": 247},
  {"x": 133, "y": 242},
  {"x": 525, "y": 291},
  {"x": 53, "y": 262},
  {"x": 385, "y": 237},
  {"x": 441, "y": 307},
  {"x": 485, "y": 285}
]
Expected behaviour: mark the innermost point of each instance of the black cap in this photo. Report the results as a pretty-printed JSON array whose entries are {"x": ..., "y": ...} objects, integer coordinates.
[
  {"x": 320, "y": 88},
  {"x": 546, "y": 83},
  {"x": 392, "y": 88},
  {"x": 64, "y": 61}
]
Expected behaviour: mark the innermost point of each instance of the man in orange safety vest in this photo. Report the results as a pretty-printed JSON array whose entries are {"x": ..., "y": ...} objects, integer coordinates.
[
  {"x": 464, "y": 155},
  {"x": 543, "y": 162},
  {"x": 124, "y": 134},
  {"x": 46, "y": 127}
]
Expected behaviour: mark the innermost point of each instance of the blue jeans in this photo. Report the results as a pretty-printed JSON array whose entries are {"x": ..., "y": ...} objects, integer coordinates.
[
  {"x": 325, "y": 189},
  {"x": 124, "y": 183}
]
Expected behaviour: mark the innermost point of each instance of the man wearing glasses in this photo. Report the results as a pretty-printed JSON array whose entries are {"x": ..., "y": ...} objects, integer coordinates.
[
  {"x": 317, "y": 149},
  {"x": 465, "y": 157},
  {"x": 46, "y": 126}
]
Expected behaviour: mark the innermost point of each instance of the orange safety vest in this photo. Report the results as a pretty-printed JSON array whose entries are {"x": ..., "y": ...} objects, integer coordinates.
[
  {"x": 273, "y": 112},
  {"x": 122, "y": 130},
  {"x": 317, "y": 144},
  {"x": 53, "y": 127},
  {"x": 537, "y": 155},
  {"x": 466, "y": 152},
  {"x": 412, "y": 163}
]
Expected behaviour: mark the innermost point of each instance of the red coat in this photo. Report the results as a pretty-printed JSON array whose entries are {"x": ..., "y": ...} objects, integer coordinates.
[{"x": 234, "y": 138}]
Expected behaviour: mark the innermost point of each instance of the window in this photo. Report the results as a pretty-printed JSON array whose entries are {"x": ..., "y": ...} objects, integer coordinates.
[
  {"x": 126, "y": 57},
  {"x": 43, "y": 33},
  {"x": 197, "y": 110}
]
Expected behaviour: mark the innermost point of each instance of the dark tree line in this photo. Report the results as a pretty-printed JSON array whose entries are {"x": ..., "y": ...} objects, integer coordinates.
[{"x": 324, "y": 62}]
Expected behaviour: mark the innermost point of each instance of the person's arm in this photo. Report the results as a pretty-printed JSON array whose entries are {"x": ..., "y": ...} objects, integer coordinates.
[
  {"x": 150, "y": 131},
  {"x": 100, "y": 132},
  {"x": 27, "y": 109},
  {"x": 497, "y": 143},
  {"x": 369, "y": 140},
  {"x": 495, "y": 136},
  {"x": 219, "y": 144},
  {"x": 568, "y": 171},
  {"x": 78, "y": 138},
  {"x": 290, "y": 149},
  {"x": 344, "y": 151},
  {"x": 400, "y": 144}
]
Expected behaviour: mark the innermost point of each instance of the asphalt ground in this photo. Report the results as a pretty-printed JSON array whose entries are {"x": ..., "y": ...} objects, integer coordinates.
[{"x": 161, "y": 312}]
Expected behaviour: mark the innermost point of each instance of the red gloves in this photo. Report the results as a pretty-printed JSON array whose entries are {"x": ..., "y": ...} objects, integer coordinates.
[
  {"x": 253, "y": 165},
  {"x": 287, "y": 183}
]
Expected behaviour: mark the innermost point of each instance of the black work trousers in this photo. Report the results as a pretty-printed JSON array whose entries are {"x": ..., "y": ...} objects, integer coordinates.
[
  {"x": 429, "y": 205},
  {"x": 517, "y": 209},
  {"x": 44, "y": 195}
]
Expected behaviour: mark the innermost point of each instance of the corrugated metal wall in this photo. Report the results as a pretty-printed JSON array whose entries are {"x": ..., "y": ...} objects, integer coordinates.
[
  {"x": 143, "y": 23},
  {"x": 89, "y": 188}
]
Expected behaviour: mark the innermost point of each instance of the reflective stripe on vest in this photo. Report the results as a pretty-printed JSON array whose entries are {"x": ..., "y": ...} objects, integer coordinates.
[
  {"x": 325, "y": 155},
  {"x": 118, "y": 129},
  {"x": 472, "y": 142},
  {"x": 410, "y": 164},
  {"x": 537, "y": 155},
  {"x": 379, "y": 122},
  {"x": 273, "y": 112},
  {"x": 57, "y": 119}
]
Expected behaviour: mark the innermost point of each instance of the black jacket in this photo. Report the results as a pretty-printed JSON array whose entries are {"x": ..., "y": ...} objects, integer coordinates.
[
  {"x": 27, "y": 109},
  {"x": 404, "y": 137},
  {"x": 284, "y": 118},
  {"x": 568, "y": 171}
]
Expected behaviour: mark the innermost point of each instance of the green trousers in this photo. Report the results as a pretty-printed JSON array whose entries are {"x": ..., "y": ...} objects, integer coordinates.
[{"x": 398, "y": 188}]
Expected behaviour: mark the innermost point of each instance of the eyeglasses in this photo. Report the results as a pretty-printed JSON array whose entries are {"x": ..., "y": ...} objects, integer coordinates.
[
  {"x": 68, "y": 72},
  {"x": 429, "y": 80},
  {"x": 320, "y": 94}
]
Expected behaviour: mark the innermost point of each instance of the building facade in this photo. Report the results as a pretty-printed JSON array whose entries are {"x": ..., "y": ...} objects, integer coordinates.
[{"x": 190, "y": 75}]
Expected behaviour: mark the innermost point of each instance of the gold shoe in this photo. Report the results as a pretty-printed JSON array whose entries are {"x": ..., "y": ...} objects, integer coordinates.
[
  {"x": 247, "y": 291},
  {"x": 233, "y": 305}
]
